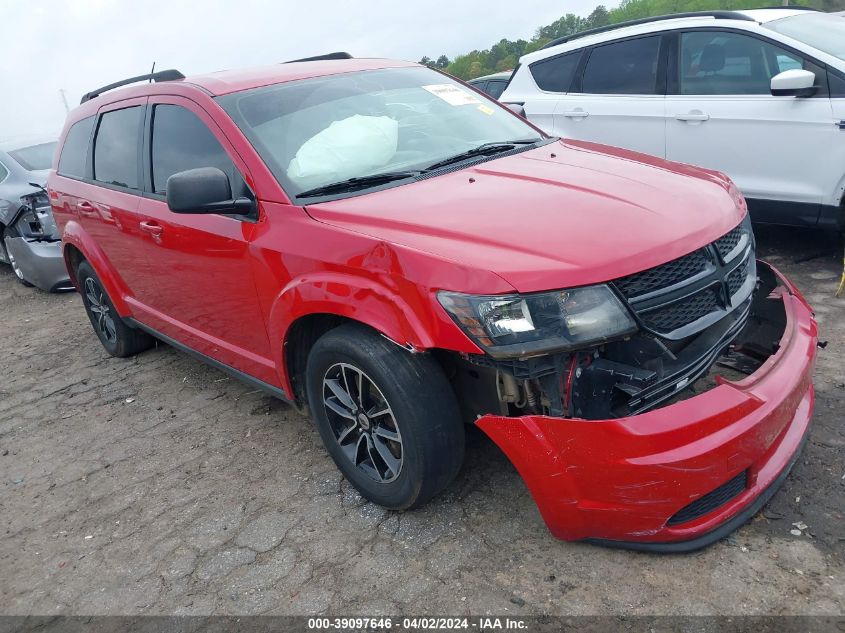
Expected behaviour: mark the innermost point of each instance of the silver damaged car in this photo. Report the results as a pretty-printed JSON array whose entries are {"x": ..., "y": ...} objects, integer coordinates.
[{"x": 29, "y": 239}]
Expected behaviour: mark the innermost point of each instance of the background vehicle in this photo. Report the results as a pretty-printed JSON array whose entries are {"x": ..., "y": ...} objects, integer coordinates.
[
  {"x": 493, "y": 84},
  {"x": 758, "y": 95},
  {"x": 406, "y": 256},
  {"x": 29, "y": 239}
]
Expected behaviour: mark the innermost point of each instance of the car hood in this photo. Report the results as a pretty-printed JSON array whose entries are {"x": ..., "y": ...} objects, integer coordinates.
[{"x": 561, "y": 215}]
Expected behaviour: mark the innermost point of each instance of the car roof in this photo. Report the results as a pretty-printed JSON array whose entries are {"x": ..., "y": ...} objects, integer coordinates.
[
  {"x": 767, "y": 15},
  {"x": 228, "y": 81},
  {"x": 663, "y": 23},
  {"x": 25, "y": 141}
]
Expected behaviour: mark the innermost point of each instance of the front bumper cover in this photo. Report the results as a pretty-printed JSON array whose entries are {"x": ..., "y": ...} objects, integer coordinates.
[
  {"x": 619, "y": 481},
  {"x": 41, "y": 263}
]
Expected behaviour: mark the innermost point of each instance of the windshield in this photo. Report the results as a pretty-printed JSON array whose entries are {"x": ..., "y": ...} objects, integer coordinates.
[
  {"x": 321, "y": 131},
  {"x": 820, "y": 30},
  {"x": 35, "y": 157}
]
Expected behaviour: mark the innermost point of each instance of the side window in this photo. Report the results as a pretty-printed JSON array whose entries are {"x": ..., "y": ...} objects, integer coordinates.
[
  {"x": 837, "y": 84},
  {"x": 3, "y": 172},
  {"x": 116, "y": 147},
  {"x": 182, "y": 141},
  {"x": 496, "y": 88},
  {"x": 722, "y": 63},
  {"x": 74, "y": 154},
  {"x": 627, "y": 68},
  {"x": 556, "y": 73}
]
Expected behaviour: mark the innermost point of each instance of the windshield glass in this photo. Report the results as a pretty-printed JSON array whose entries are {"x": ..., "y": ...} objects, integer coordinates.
[
  {"x": 326, "y": 130},
  {"x": 35, "y": 157},
  {"x": 820, "y": 30}
]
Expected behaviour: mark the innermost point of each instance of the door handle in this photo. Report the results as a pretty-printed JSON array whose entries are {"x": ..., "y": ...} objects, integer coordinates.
[
  {"x": 152, "y": 228},
  {"x": 693, "y": 116},
  {"x": 86, "y": 208},
  {"x": 578, "y": 113}
]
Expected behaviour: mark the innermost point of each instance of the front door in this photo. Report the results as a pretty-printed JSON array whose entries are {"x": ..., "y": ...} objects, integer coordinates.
[
  {"x": 724, "y": 117},
  {"x": 199, "y": 288}
]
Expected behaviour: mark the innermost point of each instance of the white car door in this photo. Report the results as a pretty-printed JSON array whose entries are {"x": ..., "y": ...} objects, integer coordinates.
[
  {"x": 723, "y": 116},
  {"x": 619, "y": 98}
]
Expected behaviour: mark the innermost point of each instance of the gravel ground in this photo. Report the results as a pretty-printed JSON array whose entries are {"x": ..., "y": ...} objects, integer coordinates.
[{"x": 157, "y": 485}]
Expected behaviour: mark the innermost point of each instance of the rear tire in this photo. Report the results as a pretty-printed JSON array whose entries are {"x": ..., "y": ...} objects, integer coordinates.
[
  {"x": 387, "y": 417},
  {"x": 118, "y": 338}
]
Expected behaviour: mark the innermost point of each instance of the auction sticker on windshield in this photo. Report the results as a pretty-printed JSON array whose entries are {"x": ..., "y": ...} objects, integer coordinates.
[{"x": 452, "y": 94}]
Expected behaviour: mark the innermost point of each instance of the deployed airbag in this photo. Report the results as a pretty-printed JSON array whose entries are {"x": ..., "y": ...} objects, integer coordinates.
[{"x": 354, "y": 146}]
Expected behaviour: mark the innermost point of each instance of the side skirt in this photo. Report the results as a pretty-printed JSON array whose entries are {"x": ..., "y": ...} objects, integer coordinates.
[{"x": 235, "y": 373}]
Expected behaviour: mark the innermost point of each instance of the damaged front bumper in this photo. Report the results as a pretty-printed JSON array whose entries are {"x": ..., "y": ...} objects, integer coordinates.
[
  {"x": 41, "y": 262},
  {"x": 679, "y": 477}
]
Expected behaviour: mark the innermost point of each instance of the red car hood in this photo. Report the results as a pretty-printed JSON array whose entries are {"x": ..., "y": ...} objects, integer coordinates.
[{"x": 561, "y": 215}]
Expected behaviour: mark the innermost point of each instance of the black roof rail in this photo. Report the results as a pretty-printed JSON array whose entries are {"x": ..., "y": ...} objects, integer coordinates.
[
  {"x": 791, "y": 7},
  {"x": 317, "y": 58},
  {"x": 162, "y": 75},
  {"x": 716, "y": 15}
]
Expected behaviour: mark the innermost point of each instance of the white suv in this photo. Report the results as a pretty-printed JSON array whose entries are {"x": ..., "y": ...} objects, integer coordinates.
[{"x": 757, "y": 94}]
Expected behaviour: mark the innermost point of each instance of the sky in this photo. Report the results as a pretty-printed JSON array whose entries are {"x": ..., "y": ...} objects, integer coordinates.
[{"x": 78, "y": 45}]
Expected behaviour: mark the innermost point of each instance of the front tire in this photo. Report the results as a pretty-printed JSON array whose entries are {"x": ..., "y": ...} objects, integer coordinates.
[
  {"x": 387, "y": 417},
  {"x": 117, "y": 337}
]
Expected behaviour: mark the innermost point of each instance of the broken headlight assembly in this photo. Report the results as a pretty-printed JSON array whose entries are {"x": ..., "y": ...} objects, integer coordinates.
[{"x": 519, "y": 326}]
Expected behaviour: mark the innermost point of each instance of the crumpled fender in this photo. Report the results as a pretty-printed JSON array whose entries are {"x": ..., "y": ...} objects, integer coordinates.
[
  {"x": 75, "y": 235},
  {"x": 361, "y": 299}
]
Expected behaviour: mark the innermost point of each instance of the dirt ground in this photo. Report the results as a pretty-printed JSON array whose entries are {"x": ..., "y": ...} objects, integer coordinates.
[{"x": 157, "y": 485}]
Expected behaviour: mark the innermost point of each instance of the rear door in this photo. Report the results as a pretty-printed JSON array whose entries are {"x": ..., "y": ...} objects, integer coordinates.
[
  {"x": 617, "y": 96},
  {"x": 108, "y": 210},
  {"x": 198, "y": 285},
  {"x": 722, "y": 115}
]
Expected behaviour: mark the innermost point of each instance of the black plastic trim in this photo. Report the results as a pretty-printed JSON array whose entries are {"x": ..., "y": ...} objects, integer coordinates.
[
  {"x": 732, "y": 524},
  {"x": 235, "y": 373}
]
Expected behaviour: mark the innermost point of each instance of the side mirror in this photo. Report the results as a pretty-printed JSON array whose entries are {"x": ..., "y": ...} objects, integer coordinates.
[
  {"x": 203, "y": 190},
  {"x": 794, "y": 83},
  {"x": 516, "y": 108}
]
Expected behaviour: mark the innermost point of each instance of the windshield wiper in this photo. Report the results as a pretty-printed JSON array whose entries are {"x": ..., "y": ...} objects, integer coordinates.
[
  {"x": 493, "y": 147},
  {"x": 358, "y": 182}
]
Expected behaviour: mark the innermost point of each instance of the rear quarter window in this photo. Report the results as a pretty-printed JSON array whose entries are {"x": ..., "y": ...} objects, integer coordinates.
[
  {"x": 74, "y": 154},
  {"x": 556, "y": 73}
]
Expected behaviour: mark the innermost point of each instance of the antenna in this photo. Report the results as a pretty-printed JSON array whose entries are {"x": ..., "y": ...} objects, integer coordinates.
[
  {"x": 64, "y": 100},
  {"x": 152, "y": 72}
]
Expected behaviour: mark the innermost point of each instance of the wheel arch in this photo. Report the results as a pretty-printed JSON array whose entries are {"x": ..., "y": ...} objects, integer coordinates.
[
  {"x": 307, "y": 309},
  {"x": 78, "y": 246}
]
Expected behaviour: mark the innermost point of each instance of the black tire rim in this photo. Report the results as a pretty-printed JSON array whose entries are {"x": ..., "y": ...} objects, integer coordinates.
[
  {"x": 99, "y": 309},
  {"x": 362, "y": 422}
]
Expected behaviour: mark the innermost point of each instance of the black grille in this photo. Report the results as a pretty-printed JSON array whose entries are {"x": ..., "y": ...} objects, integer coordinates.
[
  {"x": 711, "y": 501},
  {"x": 737, "y": 277},
  {"x": 677, "y": 315},
  {"x": 728, "y": 242},
  {"x": 664, "y": 275},
  {"x": 683, "y": 297}
]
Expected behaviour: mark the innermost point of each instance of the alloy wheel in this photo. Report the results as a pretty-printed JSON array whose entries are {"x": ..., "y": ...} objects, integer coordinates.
[
  {"x": 362, "y": 422},
  {"x": 14, "y": 264},
  {"x": 99, "y": 307}
]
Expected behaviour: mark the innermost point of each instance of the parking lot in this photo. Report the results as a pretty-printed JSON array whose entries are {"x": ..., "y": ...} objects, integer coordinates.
[{"x": 157, "y": 485}]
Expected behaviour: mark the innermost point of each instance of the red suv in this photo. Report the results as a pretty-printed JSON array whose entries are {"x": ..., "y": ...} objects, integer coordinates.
[{"x": 385, "y": 246}]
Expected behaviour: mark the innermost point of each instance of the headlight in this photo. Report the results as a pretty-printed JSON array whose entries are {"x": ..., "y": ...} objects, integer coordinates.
[{"x": 510, "y": 326}]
